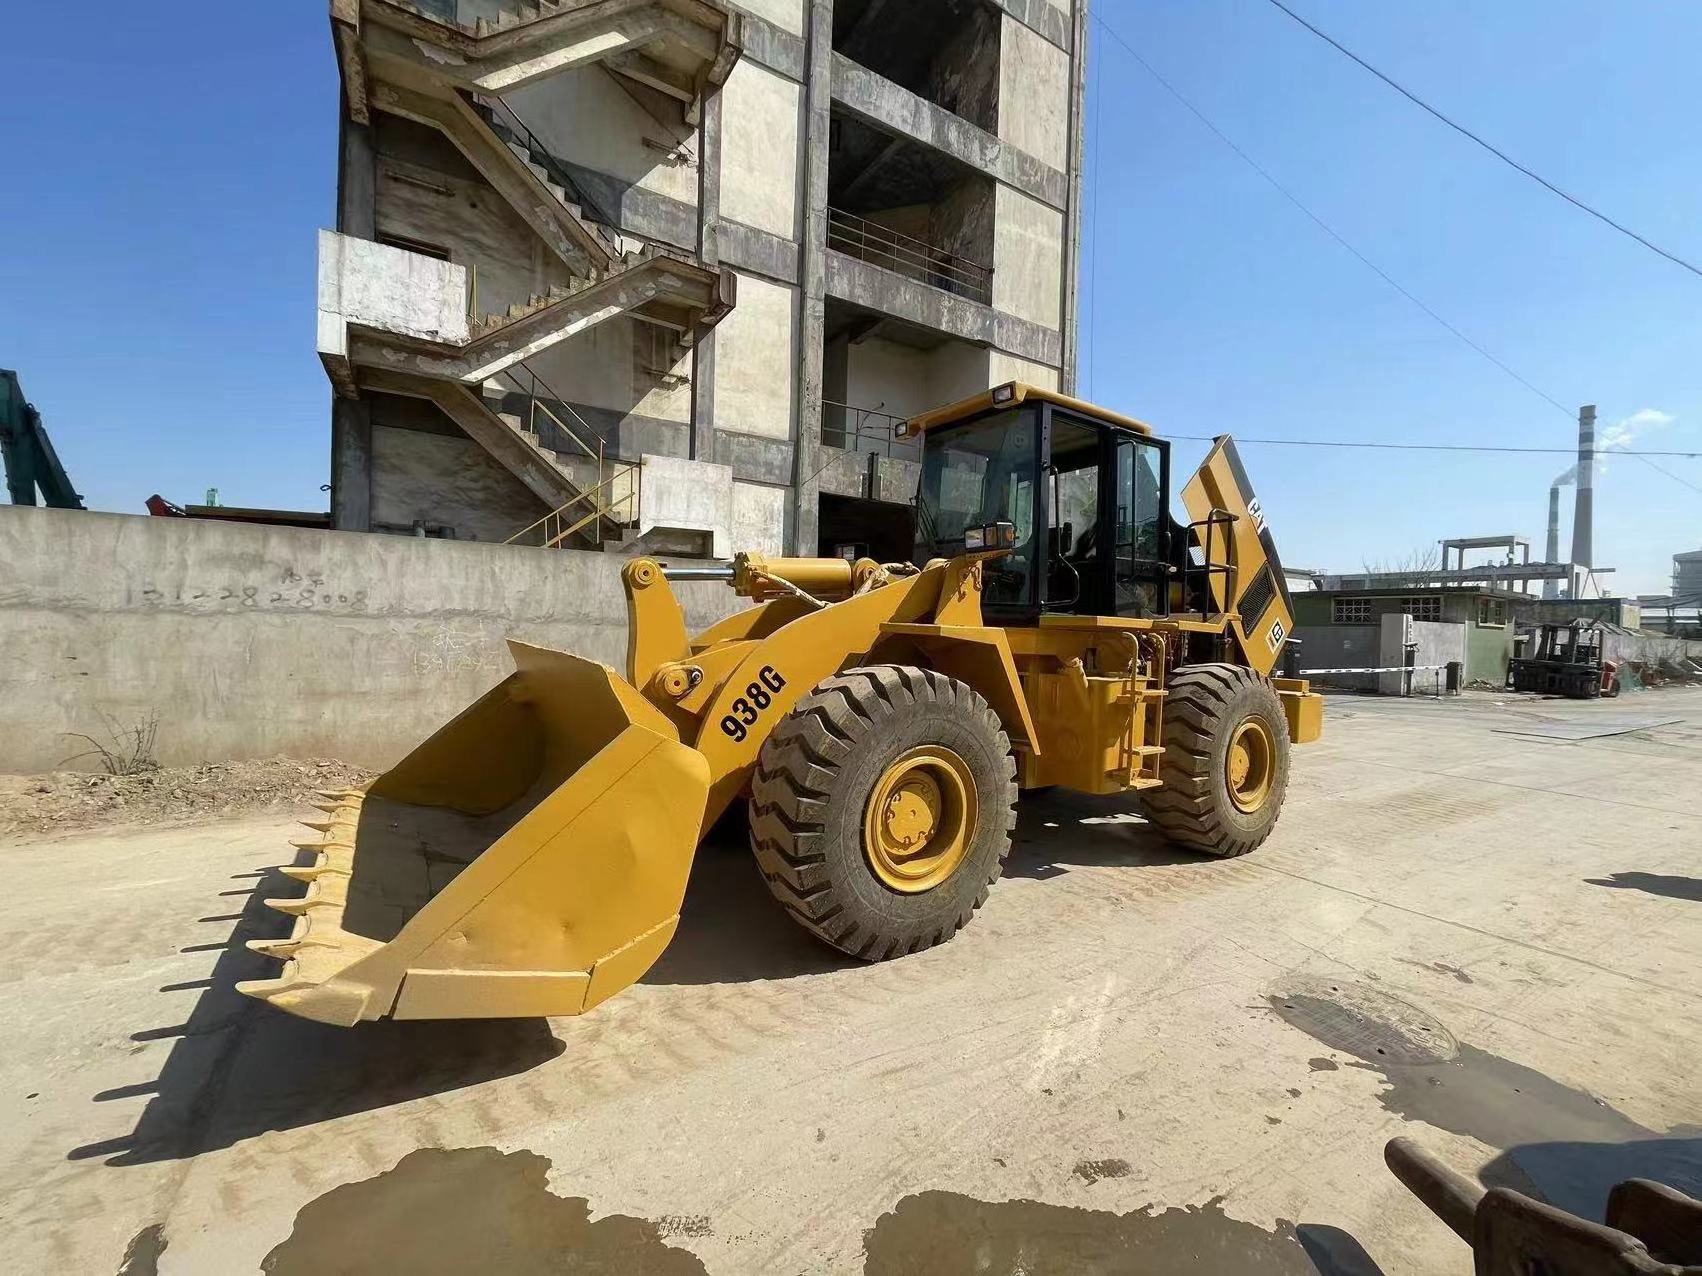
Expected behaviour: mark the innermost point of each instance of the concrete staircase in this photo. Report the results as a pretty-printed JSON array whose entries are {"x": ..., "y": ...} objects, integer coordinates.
[
  {"x": 679, "y": 48},
  {"x": 680, "y": 295},
  {"x": 556, "y": 478},
  {"x": 553, "y": 176}
]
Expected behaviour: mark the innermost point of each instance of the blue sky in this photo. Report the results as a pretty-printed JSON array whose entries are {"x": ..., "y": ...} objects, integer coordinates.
[{"x": 165, "y": 179}]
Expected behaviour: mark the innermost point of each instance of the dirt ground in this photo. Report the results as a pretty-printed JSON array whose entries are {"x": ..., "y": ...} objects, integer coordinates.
[
  {"x": 1133, "y": 1060},
  {"x": 67, "y": 800}
]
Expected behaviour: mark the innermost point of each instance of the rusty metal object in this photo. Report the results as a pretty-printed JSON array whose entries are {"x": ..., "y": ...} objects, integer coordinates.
[{"x": 1651, "y": 1229}]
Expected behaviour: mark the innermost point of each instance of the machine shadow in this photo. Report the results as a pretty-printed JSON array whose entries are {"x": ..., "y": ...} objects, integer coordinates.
[
  {"x": 1667, "y": 884},
  {"x": 1577, "y": 1176},
  {"x": 238, "y": 1068},
  {"x": 1335, "y": 1252},
  {"x": 1060, "y": 828},
  {"x": 732, "y": 930}
]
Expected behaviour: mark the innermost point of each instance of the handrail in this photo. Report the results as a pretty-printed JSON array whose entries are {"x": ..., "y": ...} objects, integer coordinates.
[
  {"x": 854, "y": 429},
  {"x": 548, "y": 159},
  {"x": 599, "y": 510},
  {"x": 917, "y": 258}
]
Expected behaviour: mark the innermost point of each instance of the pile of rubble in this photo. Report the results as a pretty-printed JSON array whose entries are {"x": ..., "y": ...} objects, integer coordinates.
[{"x": 74, "y": 800}]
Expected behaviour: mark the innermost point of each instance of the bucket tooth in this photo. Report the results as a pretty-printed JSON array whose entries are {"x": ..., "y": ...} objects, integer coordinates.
[
  {"x": 338, "y": 795},
  {"x": 319, "y": 826},
  {"x": 312, "y": 872},
  {"x": 296, "y": 907},
  {"x": 264, "y": 989},
  {"x": 287, "y": 947},
  {"x": 315, "y": 844}
]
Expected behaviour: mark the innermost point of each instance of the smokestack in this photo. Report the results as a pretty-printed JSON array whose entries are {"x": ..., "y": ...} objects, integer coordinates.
[
  {"x": 1583, "y": 512},
  {"x": 1551, "y": 551}
]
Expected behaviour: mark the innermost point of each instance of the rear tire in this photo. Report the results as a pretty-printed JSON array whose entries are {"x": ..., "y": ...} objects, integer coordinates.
[
  {"x": 882, "y": 809},
  {"x": 1225, "y": 764}
]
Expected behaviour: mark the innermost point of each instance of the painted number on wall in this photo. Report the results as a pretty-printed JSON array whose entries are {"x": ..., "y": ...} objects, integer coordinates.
[{"x": 749, "y": 707}]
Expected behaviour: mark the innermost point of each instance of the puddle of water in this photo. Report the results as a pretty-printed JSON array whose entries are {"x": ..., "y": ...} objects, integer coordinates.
[
  {"x": 465, "y": 1210},
  {"x": 1557, "y": 1141},
  {"x": 1363, "y": 1021},
  {"x": 947, "y": 1232}
]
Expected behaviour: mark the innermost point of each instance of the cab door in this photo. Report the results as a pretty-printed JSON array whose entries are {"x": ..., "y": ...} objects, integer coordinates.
[{"x": 1140, "y": 527}]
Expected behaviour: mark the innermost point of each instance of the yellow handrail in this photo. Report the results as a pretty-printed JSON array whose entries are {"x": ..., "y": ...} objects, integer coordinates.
[
  {"x": 599, "y": 510},
  {"x": 538, "y": 403}
]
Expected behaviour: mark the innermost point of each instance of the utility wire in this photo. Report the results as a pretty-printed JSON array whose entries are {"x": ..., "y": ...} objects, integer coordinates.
[
  {"x": 1434, "y": 447},
  {"x": 1382, "y": 274},
  {"x": 1493, "y": 150},
  {"x": 1323, "y": 225}
]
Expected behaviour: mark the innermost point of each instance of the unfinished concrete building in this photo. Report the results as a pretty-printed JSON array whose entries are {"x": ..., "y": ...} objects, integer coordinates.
[{"x": 666, "y": 272}]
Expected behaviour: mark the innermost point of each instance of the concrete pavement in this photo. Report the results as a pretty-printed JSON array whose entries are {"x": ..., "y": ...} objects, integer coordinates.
[{"x": 1133, "y": 1059}]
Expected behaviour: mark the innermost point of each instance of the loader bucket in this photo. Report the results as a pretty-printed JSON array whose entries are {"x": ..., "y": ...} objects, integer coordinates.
[{"x": 527, "y": 859}]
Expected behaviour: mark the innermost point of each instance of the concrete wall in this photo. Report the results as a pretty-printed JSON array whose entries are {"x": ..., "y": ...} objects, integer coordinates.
[
  {"x": 761, "y": 119},
  {"x": 1339, "y": 647},
  {"x": 1439, "y": 642},
  {"x": 788, "y": 15},
  {"x": 625, "y": 366},
  {"x": 585, "y": 117},
  {"x": 964, "y": 76},
  {"x": 1028, "y": 260},
  {"x": 756, "y": 360},
  {"x": 1034, "y": 94},
  {"x": 425, "y": 469},
  {"x": 253, "y": 641},
  {"x": 383, "y": 287},
  {"x": 427, "y": 191}
]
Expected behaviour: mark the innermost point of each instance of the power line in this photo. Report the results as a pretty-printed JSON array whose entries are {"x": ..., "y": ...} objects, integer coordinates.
[
  {"x": 1493, "y": 150},
  {"x": 1441, "y": 447},
  {"x": 1382, "y": 274},
  {"x": 1323, "y": 225}
]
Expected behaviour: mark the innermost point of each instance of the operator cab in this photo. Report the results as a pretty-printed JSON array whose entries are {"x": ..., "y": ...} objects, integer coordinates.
[{"x": 1086, "y": 490}]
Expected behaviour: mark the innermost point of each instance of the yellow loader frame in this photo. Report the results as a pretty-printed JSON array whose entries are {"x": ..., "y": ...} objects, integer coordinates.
[{"x": 531, "y": 857}]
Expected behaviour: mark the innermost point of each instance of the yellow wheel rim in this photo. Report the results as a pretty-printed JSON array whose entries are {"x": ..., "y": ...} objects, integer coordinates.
[
  {"x": 1250, "y": 765},
  {"x": 920, "y": 819}
]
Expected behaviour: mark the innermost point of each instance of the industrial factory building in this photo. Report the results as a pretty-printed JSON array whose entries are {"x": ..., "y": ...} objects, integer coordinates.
[{"x": 610, "y": 273}]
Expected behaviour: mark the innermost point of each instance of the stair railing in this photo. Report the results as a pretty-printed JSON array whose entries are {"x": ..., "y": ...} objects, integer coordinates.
[{"x": 555, "y": 525}]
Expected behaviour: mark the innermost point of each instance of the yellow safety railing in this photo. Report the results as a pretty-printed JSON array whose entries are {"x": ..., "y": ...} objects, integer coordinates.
[
  {"x": 565, "y": 520},
  {"x": 592, "y": 506}
]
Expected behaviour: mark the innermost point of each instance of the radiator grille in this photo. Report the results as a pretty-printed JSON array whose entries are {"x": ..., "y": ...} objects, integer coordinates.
[{"x": 1257, "y": 598}]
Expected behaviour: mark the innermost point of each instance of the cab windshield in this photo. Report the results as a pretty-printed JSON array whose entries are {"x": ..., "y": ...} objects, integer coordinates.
[{"x": 983, "y": 471}]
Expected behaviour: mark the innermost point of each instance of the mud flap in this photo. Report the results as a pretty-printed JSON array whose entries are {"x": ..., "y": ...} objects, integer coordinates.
[{"x": 528, "y": 859}]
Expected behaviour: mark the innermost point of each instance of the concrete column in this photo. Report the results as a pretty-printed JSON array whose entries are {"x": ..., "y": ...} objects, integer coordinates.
[
  {"x": 708, "y": 252},
  {"x": 357, "y": 180},
  {"x": 351, "y": 465},
  {"x": 1072, "y": 214},
  {"x": 1583, "y": 512},
  {"x": 812, "y": 292},
  {"x": 1551, "y": 547}
]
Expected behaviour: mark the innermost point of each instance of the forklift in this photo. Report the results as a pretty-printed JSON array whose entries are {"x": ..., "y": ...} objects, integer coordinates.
[{"x": 1567, "y": 662}]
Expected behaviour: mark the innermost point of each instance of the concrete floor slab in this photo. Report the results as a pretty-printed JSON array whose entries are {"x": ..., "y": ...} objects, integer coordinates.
[{"x": 1134, "y": 1059}]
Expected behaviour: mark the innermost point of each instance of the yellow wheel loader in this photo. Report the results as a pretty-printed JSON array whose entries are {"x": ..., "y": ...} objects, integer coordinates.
[{"x": 1057, "y": 627}]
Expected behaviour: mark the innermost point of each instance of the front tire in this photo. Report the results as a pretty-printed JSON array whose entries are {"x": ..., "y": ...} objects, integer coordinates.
[
  {"x": 1225, "y": 764},
  {"x": 882, "y": 809}
]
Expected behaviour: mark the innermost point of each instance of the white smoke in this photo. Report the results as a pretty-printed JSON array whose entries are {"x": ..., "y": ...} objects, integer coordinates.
[{"x": 1621, "y": 434}]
